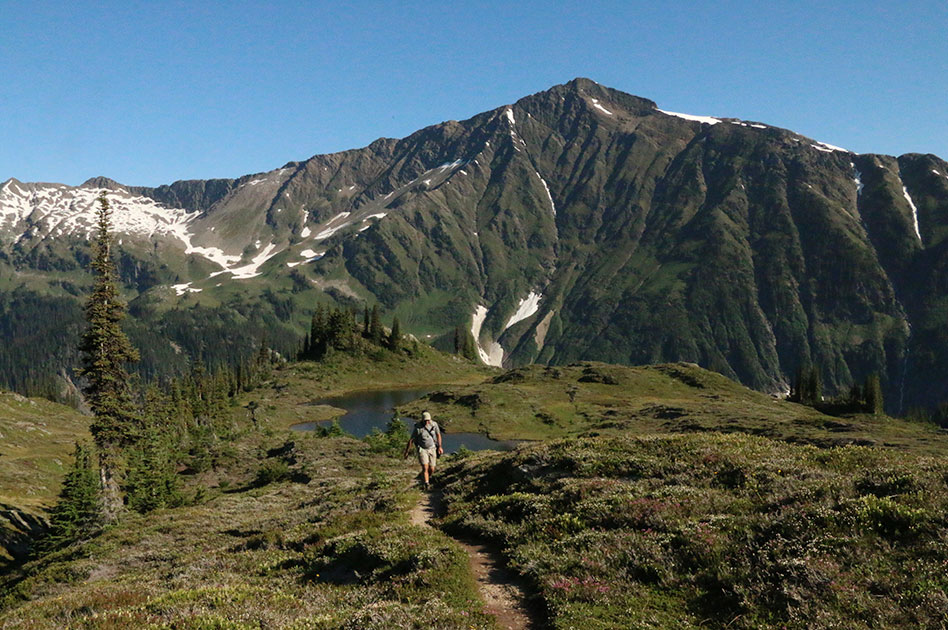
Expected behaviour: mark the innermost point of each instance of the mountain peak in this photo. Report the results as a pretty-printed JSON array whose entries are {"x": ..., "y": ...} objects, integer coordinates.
[
  {"x": 101, "y": 182},
  {"x": 582, "y": 83}
]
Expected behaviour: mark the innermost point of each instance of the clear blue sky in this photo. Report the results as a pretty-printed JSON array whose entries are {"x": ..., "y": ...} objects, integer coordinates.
[{"x": 151, "y": 92}]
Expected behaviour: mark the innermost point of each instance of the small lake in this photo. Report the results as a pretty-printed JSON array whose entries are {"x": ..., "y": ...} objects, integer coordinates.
[{"x": 372, "y": 409}]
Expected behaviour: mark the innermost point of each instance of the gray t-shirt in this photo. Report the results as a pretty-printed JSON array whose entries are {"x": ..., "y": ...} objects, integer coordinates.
[{"x": 426, "y": 435}]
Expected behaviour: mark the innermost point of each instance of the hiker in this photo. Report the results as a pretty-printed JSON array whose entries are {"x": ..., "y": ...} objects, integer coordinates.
[{"x": 427, "y": 439}]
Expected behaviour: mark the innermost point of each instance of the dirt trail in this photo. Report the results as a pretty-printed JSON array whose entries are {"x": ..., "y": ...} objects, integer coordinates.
[{"x": 503, "y": 597}]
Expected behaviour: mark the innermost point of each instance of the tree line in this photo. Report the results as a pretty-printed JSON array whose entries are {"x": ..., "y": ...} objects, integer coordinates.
[
  {"x": 807, "y": 389},
  {"x": 337, "y": 330}
]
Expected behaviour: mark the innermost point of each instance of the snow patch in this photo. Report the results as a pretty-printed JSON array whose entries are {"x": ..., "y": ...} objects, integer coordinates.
[
  {"x": 528, "y": 307},
  {"x": 306, "y": 232},
  {"x": 510, "y": 117},
  {"x": 857, "y": 177},
  {"x": 252, "y": 269},
  {"x": 330, "y": 231},
  {"x": 494, "y": 354},
  {"x": 380, "y": 215},
  {"x": 828, "y": 148},
  {"x": 596, "y": 104},
  {"x": 181, "y": 289},
  {"x": 914, "y": 213},
  {"x": 706, "y": 120},
  {"x": 448, "y": 165},
  {"x": 547, "y": 189}
]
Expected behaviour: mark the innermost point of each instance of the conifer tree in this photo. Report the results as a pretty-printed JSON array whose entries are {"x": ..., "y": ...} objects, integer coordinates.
[
  {"x": 365, "y": 322},
  {"x": 873, "y": 394},
  {"x": 151, "y": 482},
  {"x": 339, "y": 330},
  {"x": 395, "y": 337},
  {"x": 814, "y": 386},
  {"x": 317, "y": 334},
  {"x": 375, "y": 326},
  {"x": 807, "y": 388},
  {"x": 77, "y": 513},
  {"x": 105, "y": 351},
  {"x": 856, "y": 397},
  {"x": 469, "y": 348},
  {"x": 457, "y": 340}
]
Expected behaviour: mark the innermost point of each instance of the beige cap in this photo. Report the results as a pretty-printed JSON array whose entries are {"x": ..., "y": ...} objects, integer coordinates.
[{"x": 426, "y": 416}]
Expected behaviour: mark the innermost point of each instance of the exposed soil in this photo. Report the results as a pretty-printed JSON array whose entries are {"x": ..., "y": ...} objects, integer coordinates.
[{"x": 503, "y": 596}]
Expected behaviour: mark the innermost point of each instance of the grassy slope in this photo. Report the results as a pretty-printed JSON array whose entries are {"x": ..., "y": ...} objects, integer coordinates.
[
  {"x": 36, "y": 440},
  {"x": 533, "y": 403},
  {"x": 332, "y": 549}
]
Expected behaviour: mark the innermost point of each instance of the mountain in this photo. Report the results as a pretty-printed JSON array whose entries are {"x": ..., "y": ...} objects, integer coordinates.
[{"x": 578, "y": 223}]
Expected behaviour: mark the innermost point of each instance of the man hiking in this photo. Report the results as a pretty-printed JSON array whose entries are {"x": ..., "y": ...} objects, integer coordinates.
[{"x": 426, "y": 436}]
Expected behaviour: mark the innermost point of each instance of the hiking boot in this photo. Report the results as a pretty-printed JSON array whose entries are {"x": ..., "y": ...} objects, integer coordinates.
[{"x": 427, "y": 486}]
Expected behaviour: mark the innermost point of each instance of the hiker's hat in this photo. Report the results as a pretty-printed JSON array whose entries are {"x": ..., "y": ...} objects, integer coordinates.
[{"x": 426, "y": 416}]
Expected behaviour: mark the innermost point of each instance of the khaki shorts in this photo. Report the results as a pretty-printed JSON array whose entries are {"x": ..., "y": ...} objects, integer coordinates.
[{"x": 428, "y": 456}]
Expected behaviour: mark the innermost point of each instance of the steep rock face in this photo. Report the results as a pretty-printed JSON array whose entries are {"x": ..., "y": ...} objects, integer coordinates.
[
  {"x": 585, "y": 223},
  {"x": 741, "y": 247}
]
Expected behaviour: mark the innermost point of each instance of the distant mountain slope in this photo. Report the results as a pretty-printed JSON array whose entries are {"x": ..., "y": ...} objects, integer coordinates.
[{"x": 577, "y": 223}]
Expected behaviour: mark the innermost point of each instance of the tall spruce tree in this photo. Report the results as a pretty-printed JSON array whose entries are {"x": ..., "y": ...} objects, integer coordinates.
[{"x": 105, "y": 351}]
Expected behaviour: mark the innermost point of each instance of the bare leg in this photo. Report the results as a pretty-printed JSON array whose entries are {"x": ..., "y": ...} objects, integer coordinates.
[{"x": 424, "y": 473}]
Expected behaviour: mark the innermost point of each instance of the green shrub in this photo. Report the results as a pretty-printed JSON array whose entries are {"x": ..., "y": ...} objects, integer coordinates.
[
  {"x": 888, "y": 517},
  {"x": 272, "y": 471}
]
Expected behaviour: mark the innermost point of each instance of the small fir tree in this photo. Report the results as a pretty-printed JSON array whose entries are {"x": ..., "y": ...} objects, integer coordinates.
[
  {"x": 152, "y": 482},
  {"x": 77, "y": 512},
  {"x": 469, "y": 348}
]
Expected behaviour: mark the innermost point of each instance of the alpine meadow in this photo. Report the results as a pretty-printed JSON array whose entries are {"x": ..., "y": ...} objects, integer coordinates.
[{"x": 690, "y": 372}]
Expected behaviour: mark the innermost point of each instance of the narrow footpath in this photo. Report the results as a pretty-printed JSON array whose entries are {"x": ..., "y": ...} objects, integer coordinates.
[{"x": 503, "y": 597}]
